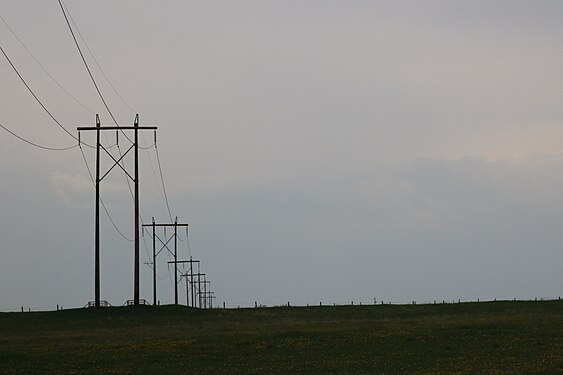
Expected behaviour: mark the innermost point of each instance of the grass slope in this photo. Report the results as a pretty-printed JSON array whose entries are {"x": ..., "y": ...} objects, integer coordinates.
[{"x": 466, "y": 338}]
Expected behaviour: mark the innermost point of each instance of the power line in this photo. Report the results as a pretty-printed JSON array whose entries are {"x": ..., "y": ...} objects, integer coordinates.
[
  {"x": 43, "y": 68},
  {"x": 105, "y": 103},
  {"x": 158, "y": 184},
  {"x": 36, "y": 98},
  {"x": 146, "y": 148},
  {"x": 97, "y": 88},
  {"x": 86, "y": 64},
  {"x": 162, "y": 179},
  {"x": 63, "y": 8},
  {"x": 35, "y": 144},
  {"x": 62, "y": 127},
  {"x": 96, "y": 61},
  {"x": 188, "y": 242}
]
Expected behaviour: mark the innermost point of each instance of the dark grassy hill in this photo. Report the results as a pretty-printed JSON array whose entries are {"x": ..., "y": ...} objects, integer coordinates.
[{"x": 466, "y": 338}]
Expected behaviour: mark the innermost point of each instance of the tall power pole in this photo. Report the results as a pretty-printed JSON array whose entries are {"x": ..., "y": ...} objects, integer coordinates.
[
  {"x": 165, "y": 246},
  {"x": 190, "y": 290},
  {"x": 175, "y": 262},
  {"x": 98, "y": 128},
  {"x": 198, "y": 290},
  {"x": 205, "y": 293}
]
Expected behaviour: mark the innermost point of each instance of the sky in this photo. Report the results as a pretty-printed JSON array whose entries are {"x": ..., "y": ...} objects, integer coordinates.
[{"x": 321, "y": 151}]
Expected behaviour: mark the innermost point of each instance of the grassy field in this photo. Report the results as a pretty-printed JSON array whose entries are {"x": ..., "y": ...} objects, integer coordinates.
[{"x": 466, "y": 338}]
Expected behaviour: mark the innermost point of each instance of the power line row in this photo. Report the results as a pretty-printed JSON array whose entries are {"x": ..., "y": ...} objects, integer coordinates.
[
  {"x": 163, "y": 192},
  {"x": 162, "y": 183}
]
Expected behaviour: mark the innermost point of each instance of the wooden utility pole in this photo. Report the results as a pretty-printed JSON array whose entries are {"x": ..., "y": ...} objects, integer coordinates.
[
  {"x": 190, "y": 282},
  {"x": 165, "y": 246},
  {"x": 135, "y": 145},
  {"x": 198, "y": 290},
  {"x": 176, "y": 262},
  {"x": 205, "y": 284},
  {"x": 210, "y": 297}
]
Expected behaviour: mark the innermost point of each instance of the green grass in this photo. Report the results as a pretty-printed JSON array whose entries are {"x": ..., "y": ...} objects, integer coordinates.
[{"x": 466, "y": 338}]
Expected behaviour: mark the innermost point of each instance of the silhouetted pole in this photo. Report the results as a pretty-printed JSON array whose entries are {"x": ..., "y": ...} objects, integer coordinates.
[
  {"x": 97, "y": 241},
  {"x": 190, "y": 282},
  {"x": 174, "y": 253},
  {"x": 153, "y": 262},
  {"x": 198, "y": 291},
  {"x": 210, "y": 297},
  {"x": 137, "y": 258},
  {"x": 199, "y": 274},
  {"x": 205, "y": 295},
  {"x": 135, "y": 179},
  {"x": 176, "y": 261}
]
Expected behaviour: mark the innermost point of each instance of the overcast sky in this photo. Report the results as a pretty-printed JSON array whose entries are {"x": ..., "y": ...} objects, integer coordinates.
[{"x": 328, "y": 151}]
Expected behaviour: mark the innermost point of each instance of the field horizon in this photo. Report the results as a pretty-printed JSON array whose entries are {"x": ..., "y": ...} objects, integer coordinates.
[{"x": 504, "y": 337}]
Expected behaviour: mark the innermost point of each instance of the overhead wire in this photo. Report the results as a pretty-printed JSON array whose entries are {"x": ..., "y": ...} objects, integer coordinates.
[
  {"x": 96, "y": 87},
  {"x": 37, "y": 98},
  {"x": 36, "y": 144},
  {"x": 62, "y": 127},
  {"x": 86, "y": 64},
  {"x": 146, "y": 148},
  {"x": 164, "y": 193},
  {"x": 107, "y": 107},
  {"x": 158, "y": 184},
  {"x": 143, "y": 230},
  {"x": 84, "y": 106},
  {"x": 63, "y": 8},
  {"x": 43, "y": 68},
  {"x": 95, "y": 60},
  {"x": 112, "y": 86},
  {"x": 162, "y": 179},
  {"x": 188, "y": 243}
]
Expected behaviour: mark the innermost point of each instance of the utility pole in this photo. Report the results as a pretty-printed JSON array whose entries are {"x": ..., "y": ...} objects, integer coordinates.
[
  {"x": 198, "y": 291},
  {"x": 205, "y": 284},
  {"x": 154, "y": 263},
  {"x": 176, "y": 262},
  {"x": 210, "y": 297},
  {"x": 165, "y": 246},
  {"x": 98, "y": 128},
  {"x": 190, "y": 282},
  {"x": 199, "y": 275}
]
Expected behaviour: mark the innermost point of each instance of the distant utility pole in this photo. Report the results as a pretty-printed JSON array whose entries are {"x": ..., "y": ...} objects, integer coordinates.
[
  {"x": 165, "y": 246},
  {"x": 135, "y": 146},
  {"x": 176, "y": 262},
  {"x": 198, "y": 291},
  {"x": 210, "y": 297},
  {"x": 190, "y": 290},
  {"x": 205, "y": 284},
  {"x": 199, "y": 275}
]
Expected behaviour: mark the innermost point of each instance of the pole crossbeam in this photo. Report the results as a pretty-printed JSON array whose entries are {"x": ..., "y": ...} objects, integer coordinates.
[
  {"x": 135, "y": 146},
  {"x": 166, "y": 225},
  {"x": 118, "y": 127}
]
